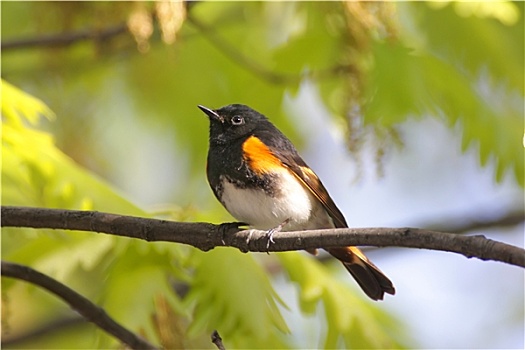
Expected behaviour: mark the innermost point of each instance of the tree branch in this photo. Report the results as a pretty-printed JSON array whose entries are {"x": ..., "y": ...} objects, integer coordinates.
[
  {"x": 82, "y": 305},
  {"x": 229, "y": 50},
  {"x": 207, "y": 236},
  {"x": 65, "y": 39}
]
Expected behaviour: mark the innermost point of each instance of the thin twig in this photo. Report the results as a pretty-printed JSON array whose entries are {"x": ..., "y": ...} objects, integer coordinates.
[
  {"x": 11, "y": 341},
  {"x": 83, "y": 306},
  {"x": 257, "y": 69},
  {"x": 462, "y": 225},
  {"x": 207, "y": 236},
  {"x": 217, "y": 340}
]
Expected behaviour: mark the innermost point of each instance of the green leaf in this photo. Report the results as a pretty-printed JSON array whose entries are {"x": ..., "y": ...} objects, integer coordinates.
[
  {"x": 360, "y": 324},
  {"x": 18, "y": 106},
  {"x": 137, "y": 278},
  {"x": 473, "y": 35},
  {"x": 403, "y": 84},
  {"x": 232, "y": 293}
]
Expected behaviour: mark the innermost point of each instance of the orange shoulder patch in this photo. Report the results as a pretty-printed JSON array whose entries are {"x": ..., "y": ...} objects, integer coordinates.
[{"x": 259, "y": 157}]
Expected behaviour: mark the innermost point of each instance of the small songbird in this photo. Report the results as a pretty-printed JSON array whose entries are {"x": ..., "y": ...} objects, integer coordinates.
[{"x": 258, "y": 176}]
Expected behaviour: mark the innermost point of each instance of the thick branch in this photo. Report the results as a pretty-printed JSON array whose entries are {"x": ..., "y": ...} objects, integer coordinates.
[
  {"x": 208, "y": 236},
  {"x": 82, "y": 305}
]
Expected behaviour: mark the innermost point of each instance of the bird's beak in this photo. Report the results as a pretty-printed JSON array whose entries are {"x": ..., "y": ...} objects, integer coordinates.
[{"x": 211, "y": 114}]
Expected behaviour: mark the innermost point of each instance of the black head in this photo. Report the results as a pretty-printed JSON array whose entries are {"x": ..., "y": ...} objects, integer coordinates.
[{"x": 234, "y": 121}]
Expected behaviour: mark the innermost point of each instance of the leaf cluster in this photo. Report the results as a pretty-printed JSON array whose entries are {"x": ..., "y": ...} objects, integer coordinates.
[{"x": 468, "y": 73}]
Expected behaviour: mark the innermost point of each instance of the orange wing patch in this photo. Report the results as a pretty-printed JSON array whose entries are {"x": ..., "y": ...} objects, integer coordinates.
[
  {"x": 312, "y": 182},
  {"x": 259, "y": 157}
]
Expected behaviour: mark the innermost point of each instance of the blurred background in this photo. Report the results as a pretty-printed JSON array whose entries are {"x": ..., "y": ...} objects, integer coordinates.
[{"x": 410, "y": 113}]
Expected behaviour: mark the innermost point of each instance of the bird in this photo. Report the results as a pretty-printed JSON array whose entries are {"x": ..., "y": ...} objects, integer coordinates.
[{"x": 257, "y": 174}]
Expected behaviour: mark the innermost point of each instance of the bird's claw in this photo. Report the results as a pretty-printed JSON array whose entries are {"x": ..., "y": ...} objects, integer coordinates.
[
  {"x": 271, "y": 232},
  {"x": 269, "y": 237}
]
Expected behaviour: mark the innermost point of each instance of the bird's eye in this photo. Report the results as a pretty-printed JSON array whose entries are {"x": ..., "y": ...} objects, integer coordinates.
[{"x": 237, "y": 120}]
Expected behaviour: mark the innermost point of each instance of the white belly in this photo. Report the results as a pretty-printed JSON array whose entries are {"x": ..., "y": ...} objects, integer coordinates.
[{"x": 261, "y": 211}]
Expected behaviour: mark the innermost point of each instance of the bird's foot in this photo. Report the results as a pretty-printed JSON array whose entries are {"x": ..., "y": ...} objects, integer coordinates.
[{"x": 271, "y": 232}]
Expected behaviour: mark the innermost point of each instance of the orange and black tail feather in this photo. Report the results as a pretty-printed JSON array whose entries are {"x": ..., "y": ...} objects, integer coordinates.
[{"x": 373, "y": 282}]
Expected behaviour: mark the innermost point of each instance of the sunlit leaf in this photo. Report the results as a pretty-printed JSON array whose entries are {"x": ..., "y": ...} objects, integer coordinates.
[
  {"x": 18, "y": 106},
  {"x": 36, "y": 173}
]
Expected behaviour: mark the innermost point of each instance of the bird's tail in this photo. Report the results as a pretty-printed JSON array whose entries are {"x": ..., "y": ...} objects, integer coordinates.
[{"x": 373, "y": 282}]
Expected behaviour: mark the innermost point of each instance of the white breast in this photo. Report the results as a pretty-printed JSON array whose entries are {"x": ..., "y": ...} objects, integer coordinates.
[{"x": 260, "y": 210}]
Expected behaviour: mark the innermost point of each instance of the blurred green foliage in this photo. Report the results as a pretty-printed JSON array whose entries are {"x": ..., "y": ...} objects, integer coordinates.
[
  {"x": 348, "y": 317},
  {"x": 469, "y": 73},
  {"x": 459, "y": 62}
]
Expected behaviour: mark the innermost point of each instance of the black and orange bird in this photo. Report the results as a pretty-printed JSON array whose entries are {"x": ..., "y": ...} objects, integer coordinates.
[{"x": 256, "y": 173}]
